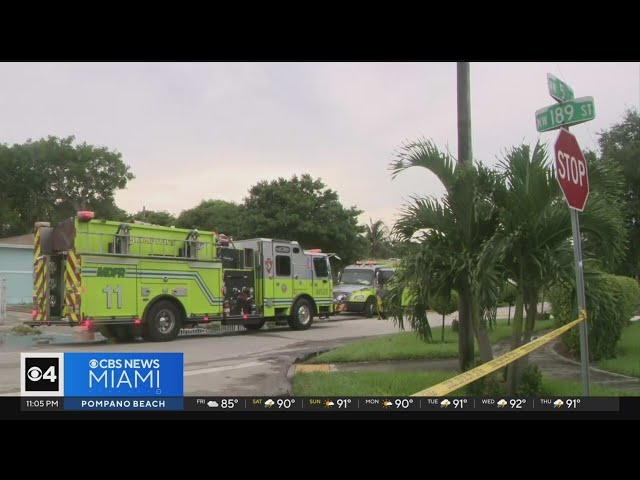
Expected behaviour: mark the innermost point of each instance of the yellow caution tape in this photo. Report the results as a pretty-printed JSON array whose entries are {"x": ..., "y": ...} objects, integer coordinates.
[{"x": 497, "y": 363}]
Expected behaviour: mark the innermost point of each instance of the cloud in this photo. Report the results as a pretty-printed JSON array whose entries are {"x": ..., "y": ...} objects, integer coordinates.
[{"x": 192, "y": 131}]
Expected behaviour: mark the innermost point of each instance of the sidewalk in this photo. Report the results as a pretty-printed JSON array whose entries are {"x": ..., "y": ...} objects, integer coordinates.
[
  {"x": 13, "y": 318},
  {"x": 58, "y": 334}
]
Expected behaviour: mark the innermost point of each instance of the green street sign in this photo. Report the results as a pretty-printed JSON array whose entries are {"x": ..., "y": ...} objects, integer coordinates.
[
  {"x": 565, "y": 114},
  {"x": 559, "y": 90}
]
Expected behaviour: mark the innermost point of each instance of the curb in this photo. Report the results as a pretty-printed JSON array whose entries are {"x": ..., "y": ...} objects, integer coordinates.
[
  {"x": 291, "y": 372},
  {"x": 310, "y": 368}
]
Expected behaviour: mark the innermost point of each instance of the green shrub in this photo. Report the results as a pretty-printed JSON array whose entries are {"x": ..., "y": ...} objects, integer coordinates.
[
  {"x": 487, "y": 386},
  {"x": 444, "y": 304},
  {"x": 606, "y": 307},
  {"x": 455, "y": 325},
  {"x": 531, "y": 382},
  {"x": 25, "y": 330},
  {"x": 508, "y": 294},
  {"x": 630, "y": 290}
]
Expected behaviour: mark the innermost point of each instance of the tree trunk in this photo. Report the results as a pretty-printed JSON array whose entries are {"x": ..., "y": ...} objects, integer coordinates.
[
  {"x": 465, "y": 335},
  {"x": 542, "y": 304},
  {"x": 531, "y": 316},
  {"x": 442, "y": 328},
  {"x": 482, "y": 335},
  {"x": 509, "y": 317},
  {"x": 512, "y": 369}
]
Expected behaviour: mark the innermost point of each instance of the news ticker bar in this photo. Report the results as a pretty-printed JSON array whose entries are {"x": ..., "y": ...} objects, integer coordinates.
[{"x": 326, "y": 404}]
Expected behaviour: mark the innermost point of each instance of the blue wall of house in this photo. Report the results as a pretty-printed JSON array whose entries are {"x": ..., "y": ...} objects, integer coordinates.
[{"x": 16, "y": 266}]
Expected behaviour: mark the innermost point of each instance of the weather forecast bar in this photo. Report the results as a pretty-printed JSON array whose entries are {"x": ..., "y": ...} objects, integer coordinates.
[
  {"x": 589, "y": 404},
  {"x": 324, "y": 404}
]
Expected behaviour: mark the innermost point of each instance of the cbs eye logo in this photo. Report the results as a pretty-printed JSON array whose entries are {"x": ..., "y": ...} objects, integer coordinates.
[
  {"x": 41, "y": 374},
  {"x": 35, "y": 374}
]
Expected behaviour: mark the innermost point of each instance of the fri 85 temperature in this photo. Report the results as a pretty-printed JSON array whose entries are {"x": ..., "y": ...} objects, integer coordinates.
[{"x": 228, "y": 402}]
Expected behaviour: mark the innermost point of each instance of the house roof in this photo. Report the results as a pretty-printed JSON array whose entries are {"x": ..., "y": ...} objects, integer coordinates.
[{"x": 20, "y": 241}]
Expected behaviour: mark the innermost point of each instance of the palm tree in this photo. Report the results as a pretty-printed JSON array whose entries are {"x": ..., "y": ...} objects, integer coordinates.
[
  {"x": 453, "y": 231},
  {"x": 376, "y": 234},
  {"x": 532, "y": 243}
]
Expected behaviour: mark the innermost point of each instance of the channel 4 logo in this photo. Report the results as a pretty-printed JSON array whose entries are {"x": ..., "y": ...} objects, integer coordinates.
[{"x": 42, "y": 374}]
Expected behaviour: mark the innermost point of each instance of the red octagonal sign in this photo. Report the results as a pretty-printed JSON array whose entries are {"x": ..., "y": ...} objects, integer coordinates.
[{"x": 571, "y": 170}]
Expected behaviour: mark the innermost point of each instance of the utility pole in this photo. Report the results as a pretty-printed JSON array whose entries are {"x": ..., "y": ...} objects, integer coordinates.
[
  {"x": 464, "y": 113},
  {"x": 466, "y": 337}
]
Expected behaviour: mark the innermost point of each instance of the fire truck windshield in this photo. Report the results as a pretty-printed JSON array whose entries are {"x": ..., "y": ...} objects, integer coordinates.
[{"x": 357, "y": 277}]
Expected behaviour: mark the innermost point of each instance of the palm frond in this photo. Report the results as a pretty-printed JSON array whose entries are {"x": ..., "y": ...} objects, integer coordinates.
[
  {"x": 422, "y": 214},
  {"x": 424, "y": 153}
]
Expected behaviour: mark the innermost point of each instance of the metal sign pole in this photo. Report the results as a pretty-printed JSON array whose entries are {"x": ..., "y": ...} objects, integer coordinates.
[
  {"x": 584, "y": 342},
  {"x": 574, "y": 184}
]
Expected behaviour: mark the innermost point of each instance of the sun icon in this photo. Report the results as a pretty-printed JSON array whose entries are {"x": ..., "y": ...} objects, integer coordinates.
[{"x": 386, "y": 403}]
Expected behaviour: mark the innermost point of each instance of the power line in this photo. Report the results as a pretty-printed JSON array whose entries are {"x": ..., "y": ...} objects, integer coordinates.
[{"x": 592, "y": 140}]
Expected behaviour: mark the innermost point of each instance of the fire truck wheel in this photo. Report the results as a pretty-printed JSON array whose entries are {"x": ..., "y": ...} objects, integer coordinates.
[
  {"x": 370, "y": 308},
  {"x": 255, "y": 326},
  {"x": 162, "y": 323},
  {"x": 301, "y": 315}
]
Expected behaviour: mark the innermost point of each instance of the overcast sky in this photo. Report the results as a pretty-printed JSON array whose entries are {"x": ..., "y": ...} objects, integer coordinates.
[{"x": 193, "y": 131}]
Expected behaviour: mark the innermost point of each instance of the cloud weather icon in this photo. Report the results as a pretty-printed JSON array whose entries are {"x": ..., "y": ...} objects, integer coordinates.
[
  {"x": 212, "y": 404},
  {"x": 558, "y": 403},
  {"x": 329, "y": 403},
  {"x": 386, "y": 403},
  {"x": 445, "y": 403},
  {"x": 502, "y": 403},
  {"x": 269, "y": 403}
]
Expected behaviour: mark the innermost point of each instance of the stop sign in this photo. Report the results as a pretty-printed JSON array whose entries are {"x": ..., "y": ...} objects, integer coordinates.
[{"x": 571, "y": 170}]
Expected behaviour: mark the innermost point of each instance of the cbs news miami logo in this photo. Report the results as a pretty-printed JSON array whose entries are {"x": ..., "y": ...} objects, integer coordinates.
[{"x": 148, "y": 374}]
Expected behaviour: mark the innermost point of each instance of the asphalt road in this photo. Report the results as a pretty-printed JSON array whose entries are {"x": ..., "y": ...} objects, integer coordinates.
[{"x": 244, "y": 363}]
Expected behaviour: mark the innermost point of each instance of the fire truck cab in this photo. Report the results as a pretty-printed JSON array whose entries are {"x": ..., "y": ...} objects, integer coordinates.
[{"x": 358, "y": 285}]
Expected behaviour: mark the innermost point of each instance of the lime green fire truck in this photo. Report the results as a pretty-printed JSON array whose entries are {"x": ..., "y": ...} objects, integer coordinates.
[
  {"x": 132, "y": 279},
  {"x": 358, "y": 284}
]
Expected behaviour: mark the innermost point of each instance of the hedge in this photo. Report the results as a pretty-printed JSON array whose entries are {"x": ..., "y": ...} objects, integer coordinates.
[
  {"x": 611, "y": 301},
  {"x": 630, "y": 290}
]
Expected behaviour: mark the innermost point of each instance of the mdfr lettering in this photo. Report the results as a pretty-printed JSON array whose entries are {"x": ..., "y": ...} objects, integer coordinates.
[{"x": 111, "y": 272}]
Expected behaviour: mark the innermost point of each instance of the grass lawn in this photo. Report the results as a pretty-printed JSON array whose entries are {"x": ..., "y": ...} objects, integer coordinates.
[
  {"x": 407, "y": 345},
  {"x": 554, "y": 387},
  {"x": 408, "y": 383},
  {"x": 627, "y": 360},
  {"x": 365, "y": 383}
]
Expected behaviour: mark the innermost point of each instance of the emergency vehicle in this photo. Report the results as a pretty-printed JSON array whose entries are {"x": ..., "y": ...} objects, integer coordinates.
[
  {"x": 135, "y": 279},
  {"x": 357, "y": 285}
]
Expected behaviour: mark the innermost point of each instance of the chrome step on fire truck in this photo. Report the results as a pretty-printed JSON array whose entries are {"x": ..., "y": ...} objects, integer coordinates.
[{"x": 132, "y": 279}]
